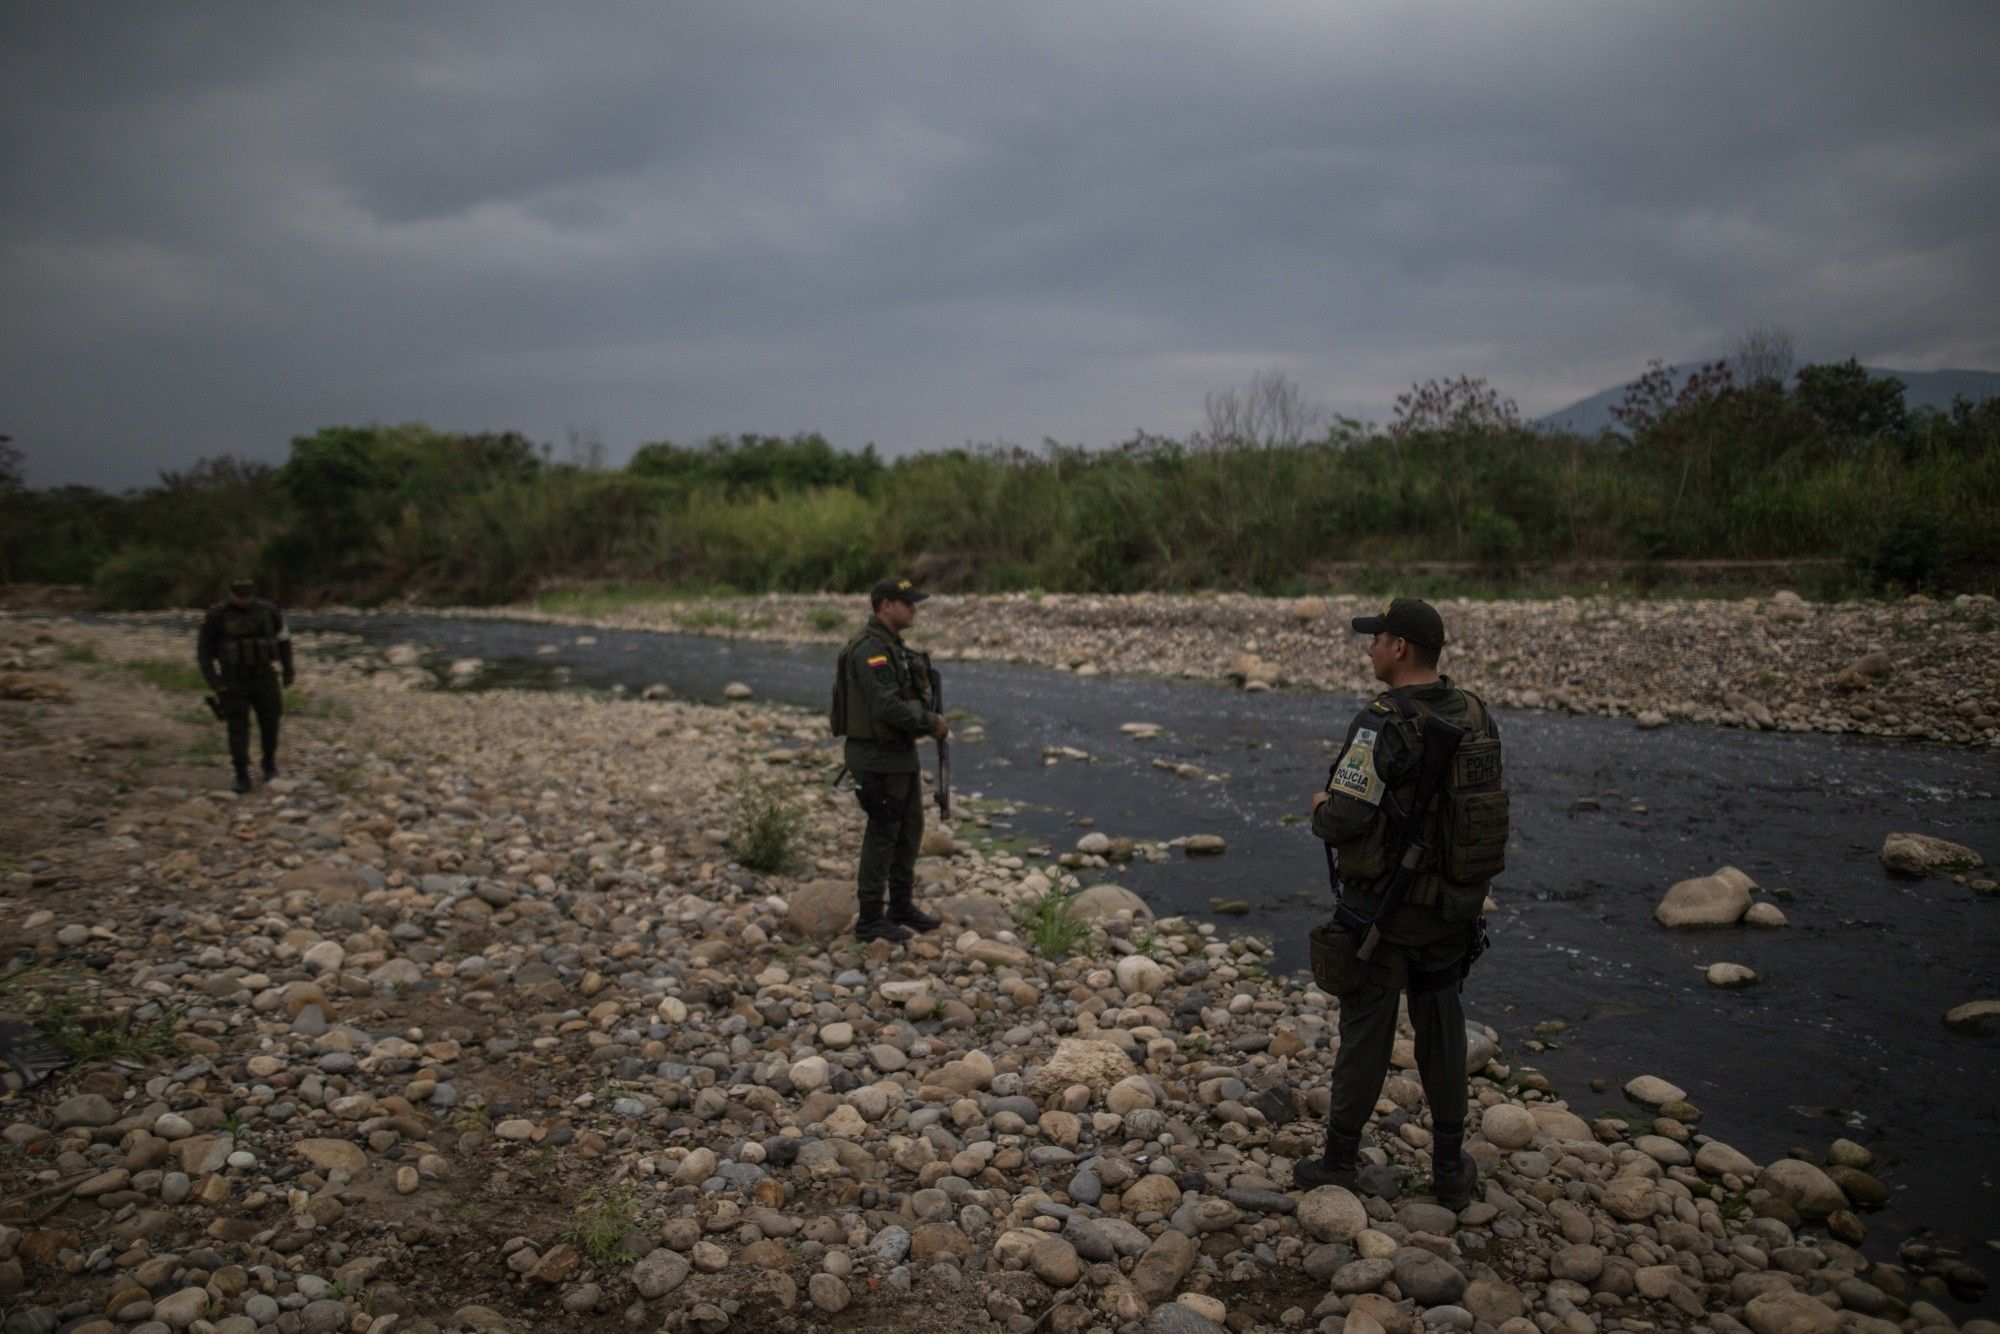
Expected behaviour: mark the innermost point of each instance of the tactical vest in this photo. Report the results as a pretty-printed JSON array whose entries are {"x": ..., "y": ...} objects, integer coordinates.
[
  {"x": 1464, "y": 831},
  {"x": 850, "y": 714},
  {"x": 246, "y": 640}
]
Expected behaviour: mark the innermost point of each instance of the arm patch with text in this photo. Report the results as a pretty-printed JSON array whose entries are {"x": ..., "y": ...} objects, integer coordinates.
[{"x": 1355, "y": 775}]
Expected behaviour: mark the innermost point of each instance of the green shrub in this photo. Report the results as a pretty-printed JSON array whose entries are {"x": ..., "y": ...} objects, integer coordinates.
[
  {"x": 769, "y": 817},
  {"x": 140, "y": 579},
  {"x": 1494, "y": 538},
  {"x": 1908, "y": 554},
  {"x": 1050, "y": 923},
  {"x": 604, "y": 1219}
]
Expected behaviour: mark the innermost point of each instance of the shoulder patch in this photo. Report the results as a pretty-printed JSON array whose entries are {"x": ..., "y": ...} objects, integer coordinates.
[
  {"x": 879, "y": 660},
  {"x": 1379, "y": 707},
  {"x": 1355, "y": 776}
]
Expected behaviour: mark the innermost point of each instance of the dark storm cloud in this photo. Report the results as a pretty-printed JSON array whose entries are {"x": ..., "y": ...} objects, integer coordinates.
[{"x": 917, "y": 224}]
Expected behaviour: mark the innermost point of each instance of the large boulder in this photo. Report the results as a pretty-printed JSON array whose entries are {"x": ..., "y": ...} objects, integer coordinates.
[
  {"x": 1652, "y": 1091},
  {"x": 1784, "y": 1311},
  {"x": 1332, "y": 1213},
  {"x": 820, "y": 908},
  {"x": 1091, "y": 1062},
  {"x": 1102, "y": 902},
  {"x": 1973, "y": 1016},
  {"x": 1917, "y": 855},
  {"x": 1865, "y": 671},
  {"x": 1803, "y": 1185},
  {"x": 1136, "y": 973},
  {"x": 1507, "y": 1126},
  {"x": 1720, "y": 899},
  {"x": 977, "y": 912}
]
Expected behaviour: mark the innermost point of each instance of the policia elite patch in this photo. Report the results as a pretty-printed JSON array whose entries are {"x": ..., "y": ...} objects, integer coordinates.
[{"x": 1355, "y": 775}]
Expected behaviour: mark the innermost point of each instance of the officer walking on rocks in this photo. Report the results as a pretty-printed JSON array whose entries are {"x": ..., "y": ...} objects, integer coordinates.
[
  {"x": 243, "y": 644},
  {"x": 1428, "y": 944},
  {"x": 882, "y": 702}
]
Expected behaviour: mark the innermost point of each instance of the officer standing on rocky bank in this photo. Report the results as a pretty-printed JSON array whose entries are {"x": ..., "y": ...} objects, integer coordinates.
[
  {"x": 882, "y": 702},
  {"x": 1428, "y": 945},
  {"x": 243, "y": 644}
]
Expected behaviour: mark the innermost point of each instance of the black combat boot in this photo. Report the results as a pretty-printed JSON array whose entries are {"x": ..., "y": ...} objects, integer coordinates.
[
  {"x": 1454, "y": 1175},
  {"x": 872, "y": 925},
  {"x": 1334, "y": 1168},
  {"x": 242, "y": 783},
  {"x": 903, "y": 910},
  {"x": 270, "y": 767}
]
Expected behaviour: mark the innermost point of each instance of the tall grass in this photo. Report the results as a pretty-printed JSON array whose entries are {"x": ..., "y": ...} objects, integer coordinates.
[{"x": 387, "y": 512}]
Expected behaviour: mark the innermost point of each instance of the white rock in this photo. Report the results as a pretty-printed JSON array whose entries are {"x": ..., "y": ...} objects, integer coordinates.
[
  {"x": 1507, "y": 1126},
  {"x": 1652, "y": 1091},
  {"x": 1709, "y": 900},
  {"x": 1136, "y": 973}
]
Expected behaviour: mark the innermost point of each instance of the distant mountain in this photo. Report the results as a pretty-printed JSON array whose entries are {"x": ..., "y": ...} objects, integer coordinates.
[{"x": 1922, "y": 389}]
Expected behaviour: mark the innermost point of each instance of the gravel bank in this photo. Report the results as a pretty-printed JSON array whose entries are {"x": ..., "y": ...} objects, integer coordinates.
[
  {"x": 475, "y": 1025},
  {"x": 1914, "y": 668}
]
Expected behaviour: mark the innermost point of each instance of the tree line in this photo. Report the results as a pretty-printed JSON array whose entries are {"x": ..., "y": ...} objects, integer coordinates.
[{"x": 1740, "y": 459}]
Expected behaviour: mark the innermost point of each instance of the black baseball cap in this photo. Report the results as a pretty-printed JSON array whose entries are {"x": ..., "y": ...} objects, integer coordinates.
[
  {"x": 894, "y": 589},
  {"x": 1412, "y": 618}
]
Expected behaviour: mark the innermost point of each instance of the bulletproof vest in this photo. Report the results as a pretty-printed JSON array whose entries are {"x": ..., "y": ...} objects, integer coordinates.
[
  {"x": 1464, "y": 831},
  {"x": 246, "y": 640},
  {"x": 850, "y": 714}
]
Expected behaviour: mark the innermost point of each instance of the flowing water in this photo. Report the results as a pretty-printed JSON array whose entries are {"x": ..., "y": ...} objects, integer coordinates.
[{"x": 1842, "y": 1037}]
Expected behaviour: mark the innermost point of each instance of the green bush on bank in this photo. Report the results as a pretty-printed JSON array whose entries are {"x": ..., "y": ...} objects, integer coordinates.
[{"x": 1834, "y": 467}]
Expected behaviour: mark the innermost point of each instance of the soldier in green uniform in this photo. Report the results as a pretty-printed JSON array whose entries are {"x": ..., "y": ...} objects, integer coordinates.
[
  {"x": 243, "y": 645},
  {"x": 882, "y": 702},
  {"x": 1429, "y": 943}
]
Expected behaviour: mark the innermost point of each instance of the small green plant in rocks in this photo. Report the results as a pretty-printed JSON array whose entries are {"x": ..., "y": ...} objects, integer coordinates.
[
  {"x": 604, "y": 1219},
  {"x": 769, "y": 820},
  {"x": 1050, "y": 923}
]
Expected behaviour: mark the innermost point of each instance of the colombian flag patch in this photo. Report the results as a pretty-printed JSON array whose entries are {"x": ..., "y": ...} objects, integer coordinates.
[{"x": 878, "y": 661}]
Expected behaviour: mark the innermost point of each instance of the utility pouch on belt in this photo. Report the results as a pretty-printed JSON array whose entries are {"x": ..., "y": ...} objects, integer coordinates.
[
  {"x": 872, "y": 791},
  {"x": 1335, "y": 968}
]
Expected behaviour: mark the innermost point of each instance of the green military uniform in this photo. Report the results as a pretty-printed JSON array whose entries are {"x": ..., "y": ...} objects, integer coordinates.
[
  {"x": 1424, "y": 946},
  {"x": 241, "y": 651},
  {"x": 882, "y": 704}
]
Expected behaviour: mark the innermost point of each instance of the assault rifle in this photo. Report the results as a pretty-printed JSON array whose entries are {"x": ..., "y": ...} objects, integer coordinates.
[
  {"x": 1441, "y": 742},
  {"x": 943, "y": 749}
]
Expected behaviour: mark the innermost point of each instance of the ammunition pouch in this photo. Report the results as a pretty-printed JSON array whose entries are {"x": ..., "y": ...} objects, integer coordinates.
[{"x": 1335, "y": 968}]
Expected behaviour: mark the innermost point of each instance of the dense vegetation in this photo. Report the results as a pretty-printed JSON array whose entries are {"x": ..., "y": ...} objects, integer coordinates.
[{"x": 1825, "y": 463}]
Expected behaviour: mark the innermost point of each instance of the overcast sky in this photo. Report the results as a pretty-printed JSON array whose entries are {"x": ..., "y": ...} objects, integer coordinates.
[{"x": 925, "y": 224}]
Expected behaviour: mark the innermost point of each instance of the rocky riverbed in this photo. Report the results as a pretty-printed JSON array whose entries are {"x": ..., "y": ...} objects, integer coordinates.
[
  {"x": 475, "y": 1021},
  {"x": 1911, "y": 668}
]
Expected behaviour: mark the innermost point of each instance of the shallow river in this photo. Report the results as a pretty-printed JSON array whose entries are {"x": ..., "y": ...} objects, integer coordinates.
[{"x": 1842, "y": 1037}]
